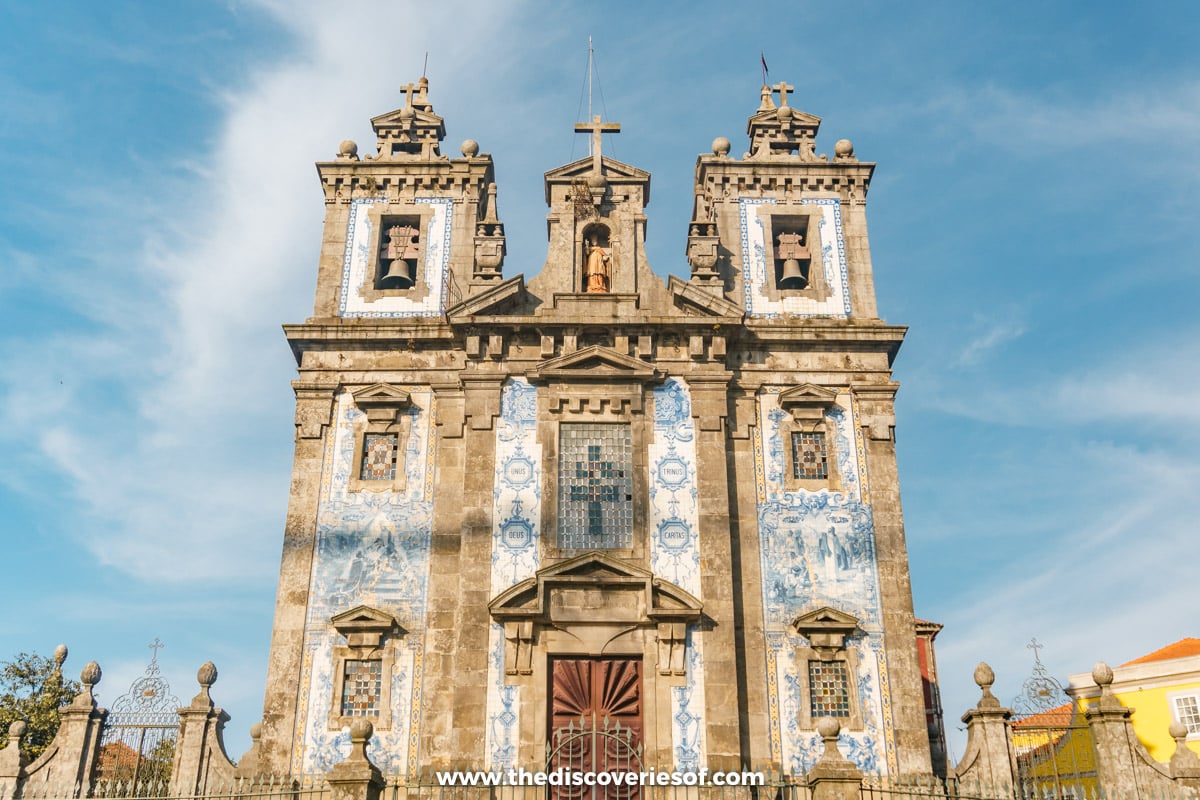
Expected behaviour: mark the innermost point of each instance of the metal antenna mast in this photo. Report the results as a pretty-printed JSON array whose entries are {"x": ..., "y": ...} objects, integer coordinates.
[{"x": 590, "y": 70}]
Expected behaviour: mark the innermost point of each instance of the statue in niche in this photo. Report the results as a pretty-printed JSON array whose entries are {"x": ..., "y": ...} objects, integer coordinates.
[{"x": 597, "y": 271}]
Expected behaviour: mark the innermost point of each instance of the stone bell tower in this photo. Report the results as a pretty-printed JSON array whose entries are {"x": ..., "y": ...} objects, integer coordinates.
[{"x": 670, "y": 505}]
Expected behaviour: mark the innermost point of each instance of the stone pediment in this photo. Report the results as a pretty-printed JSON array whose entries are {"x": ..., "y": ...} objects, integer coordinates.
[
  {"x": 595, "y": 363},
  {"x": 364, "y": 626},
  {"x": 690, "y": 296},
  {"x": 613, "y": 170},
  {"x": 546, "y": 596},
  {"x": 807, "y": 401},
  {"x": 381, "y": 402},
  {"x": 490, "y": 300},
  {"x": 826, "y": 628},
  {"x": 770, "y": 116}
]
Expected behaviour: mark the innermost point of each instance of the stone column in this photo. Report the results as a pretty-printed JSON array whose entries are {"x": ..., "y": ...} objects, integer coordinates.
[
  {"x": 833, "y": 777},
  {"x": 356, "y": 778},
  {"x": 989, "y": 762},
  {"x": 12, "y": 762},
  {"x": 67, "y": 766},
  {"x": 200, "y": 759}
]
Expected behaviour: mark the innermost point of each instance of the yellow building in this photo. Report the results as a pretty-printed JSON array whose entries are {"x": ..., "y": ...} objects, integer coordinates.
[{"x": 1161, "y": 687}]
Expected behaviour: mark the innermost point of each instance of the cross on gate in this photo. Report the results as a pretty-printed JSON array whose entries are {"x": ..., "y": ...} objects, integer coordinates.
[
  {"x": 1035, "y": 645},
  {"x": 156, "y": 645},
  {"x": 596, "y": 491},
  {"x": 596, "y": 127},
  {"x": 784, "y": 90}
]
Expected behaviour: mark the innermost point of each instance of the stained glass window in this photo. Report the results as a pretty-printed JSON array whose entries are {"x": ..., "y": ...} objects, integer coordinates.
[
  {"x": 809, "y": 460},
  {"x": 828, "y": 682},
  {"x": 595, "y": 486},
  {"x": 1187, "y": 709},
  {"x": 379, "y": 456},
  {"x": 361, "y": 686}
]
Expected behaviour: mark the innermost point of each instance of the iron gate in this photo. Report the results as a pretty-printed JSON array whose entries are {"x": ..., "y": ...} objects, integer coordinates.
[{"x": 137, "y": 747}]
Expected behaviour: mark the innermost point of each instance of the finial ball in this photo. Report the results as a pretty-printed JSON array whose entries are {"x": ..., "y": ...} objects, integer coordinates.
[
  {"x": 720, "y": 146},
  {"x": 1177, "y": 730},
  {"x": 60, "y": 655},
  {"x": 470, "y": 148},
  {"x": 17, "y": 729},
  {"x": 348, "y": 148},
  {"x": 1102, "y": 674},
  {"x": 828, "y": 727},
  {"x": 843, "y": 147},
  {"x": 984, "y": 675},
  {"x": 256, "y": 731},
  {"x": 207, "y": 674},
  {"x": 361, "y": 730},
  {"x": 90, "y": 674}
]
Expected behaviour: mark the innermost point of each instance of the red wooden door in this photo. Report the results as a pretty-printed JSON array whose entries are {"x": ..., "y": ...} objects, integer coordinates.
[{"x": 596, "y": 719}]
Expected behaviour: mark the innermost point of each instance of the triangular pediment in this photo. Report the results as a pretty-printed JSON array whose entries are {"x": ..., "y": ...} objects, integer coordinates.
[
  {"x": 361, "y": 618},
  {"x": 595, "y": 363},
  {"x": 809, "y": 395},
  {"x": 825, "y": 621},
  {"x": 612, "y": 168},
  {"x": 690, "y": 296},
  {"x": 490, "y": 300},
  {"x": 381, "y": 394},
  {"x": 770, "y": 116},
  {"x": 394, "y": 119}
]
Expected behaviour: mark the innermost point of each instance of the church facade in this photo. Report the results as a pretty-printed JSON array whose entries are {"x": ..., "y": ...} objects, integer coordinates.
[{"x": 668, "y": 508}]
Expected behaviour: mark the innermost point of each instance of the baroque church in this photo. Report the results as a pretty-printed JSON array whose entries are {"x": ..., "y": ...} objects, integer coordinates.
[{"x": 595, "y": 497}]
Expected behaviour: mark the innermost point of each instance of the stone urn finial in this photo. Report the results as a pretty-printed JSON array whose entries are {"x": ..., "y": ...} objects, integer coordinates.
[
  {"x": 1102, "y": 674},
  {"x": 829, "y": 728},
  {"x": 18, "y": 727},
  {"x": 360, "y": 733},
  {"x": 60, "y": 656},
  {"x": 470, "y": 148},
  {"x": 985, "y": 676},
  {"x": 206, "y": 676},
  {"x": 721, "y": 146},
  {"x": 90, "y": 674},
  {"x": 348, "y": 150}
]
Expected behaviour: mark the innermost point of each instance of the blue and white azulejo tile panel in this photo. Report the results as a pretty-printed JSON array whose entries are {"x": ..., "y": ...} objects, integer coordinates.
[
  {"x": 818, "y": 549},
  {"x": 358, "y": 264},
  {"x": 757, "y": 272},
  {"x": 372, "y": 549},
  {"x": 674, "y": 525},
  {"x": 516, "y": 532}
]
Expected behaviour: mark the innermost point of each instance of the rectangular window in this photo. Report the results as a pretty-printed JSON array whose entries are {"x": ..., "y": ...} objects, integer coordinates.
[
  {"x": 361, "y": 687},
  {"x": 1187, "y": 711},
  {"x": 828, "y": 681},
  {"x": 809, "y": 459},
  {"x": 379, "y": 456},
  {"x": 595, "y": 486}
]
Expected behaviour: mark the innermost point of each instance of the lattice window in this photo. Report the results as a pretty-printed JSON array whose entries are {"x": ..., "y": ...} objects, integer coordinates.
[
  {"x": 379, "y": 456},
  {"x": 595, "y": 486},
  {"x": 810, "y": 460},
  {"x": 1187, "y": 711},
  {"x": 361, "y": 687},
  {"x": 829, "y": 684}
]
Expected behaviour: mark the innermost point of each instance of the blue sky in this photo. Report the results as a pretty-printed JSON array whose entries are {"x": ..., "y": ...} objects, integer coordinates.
[{"x": 1032, "y": 220}]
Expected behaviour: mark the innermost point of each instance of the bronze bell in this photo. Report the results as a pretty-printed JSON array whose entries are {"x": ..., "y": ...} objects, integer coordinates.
[
  {"x": 792, "y": 277},
  {"x": 398, "y": 276}
]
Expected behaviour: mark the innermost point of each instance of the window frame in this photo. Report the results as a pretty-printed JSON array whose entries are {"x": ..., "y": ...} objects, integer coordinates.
[
  {"x": 1173, "y": 699},
  {"x": 560, "y": 485}
]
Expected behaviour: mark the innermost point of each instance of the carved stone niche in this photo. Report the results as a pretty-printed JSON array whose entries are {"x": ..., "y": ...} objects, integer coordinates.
[
  {"x": 808, "y": 406},
  {"x": 596, "y": 598},
  {"x": 596, "y": 378},
  {"x": 384, "y": 406},
  {"x": 371, "y": 635}
]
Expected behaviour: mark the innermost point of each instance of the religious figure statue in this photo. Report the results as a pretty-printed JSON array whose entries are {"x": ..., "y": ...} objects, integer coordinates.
[{"x": 596, "y": 272}]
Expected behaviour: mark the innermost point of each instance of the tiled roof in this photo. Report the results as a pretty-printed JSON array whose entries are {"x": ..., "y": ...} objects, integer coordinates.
[
  {"x": 1059, "y": 715},
  {"x": 1181, "y": 649}
]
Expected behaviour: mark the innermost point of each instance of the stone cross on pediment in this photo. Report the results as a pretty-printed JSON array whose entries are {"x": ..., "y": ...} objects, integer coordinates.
[
  {"x": 784, "y": 90},
  {"x": 408, "y": 89},
  {"x": 596, "y": 127}
]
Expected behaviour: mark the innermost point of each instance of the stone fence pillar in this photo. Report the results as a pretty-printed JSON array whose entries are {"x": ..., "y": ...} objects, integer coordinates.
[
  {"x": 67, "y": 766},
  {"x": 1122, "y": 764},
  {"x": 989, "y": 764},
  {"x": 356, "y": 778},
  {"x": 12, "y": 762},
  {"x": 1185, "y": 764},
  {"x": 833, "y": 777},
  {"x": 200, "y": 759}
]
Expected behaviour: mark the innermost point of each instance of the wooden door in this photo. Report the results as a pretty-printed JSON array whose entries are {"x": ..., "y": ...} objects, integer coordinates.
[{"x": 596, "y": 720}]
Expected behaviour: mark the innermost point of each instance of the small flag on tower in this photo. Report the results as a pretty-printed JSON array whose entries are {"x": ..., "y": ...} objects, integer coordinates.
[{"x": 763, "y": 58}]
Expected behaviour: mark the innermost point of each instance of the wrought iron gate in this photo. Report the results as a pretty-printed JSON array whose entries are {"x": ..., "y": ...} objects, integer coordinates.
[{"x": 137, "y": 747}]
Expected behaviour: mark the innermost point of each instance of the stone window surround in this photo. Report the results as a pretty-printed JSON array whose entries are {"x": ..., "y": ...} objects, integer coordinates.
[
  {"x": 381, "y": 216},
  {"x": 826, "y": 631},
  {"x": 775, "y": 218},
  {"x": 808, "y": 406},
  {"x": 383, "y": 406},
  {"x": 371, "y": 635},
  {"x": 1172, "y": 700}
]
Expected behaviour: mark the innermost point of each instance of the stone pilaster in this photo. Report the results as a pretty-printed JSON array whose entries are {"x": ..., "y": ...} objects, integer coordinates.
[
  {"x": 1122, "y": 764},
  {"x": 1185, "y": 764},
  {"x": 12, "y": 762},
  {"x": 66, "y": 768},
  {"x": 989, "y": 762}
]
